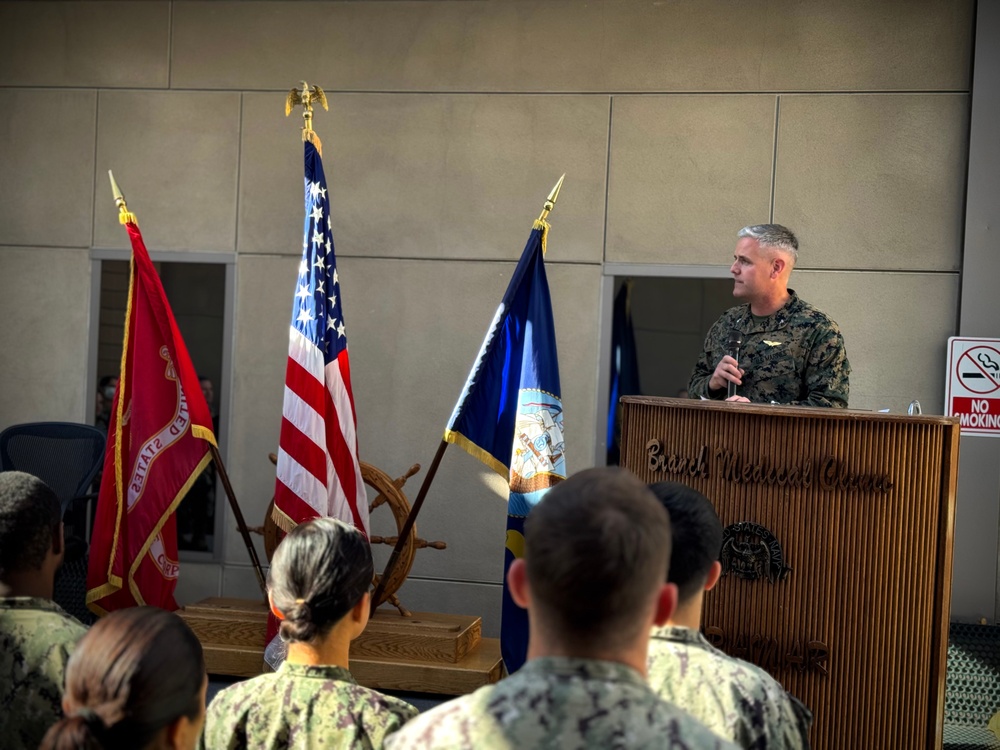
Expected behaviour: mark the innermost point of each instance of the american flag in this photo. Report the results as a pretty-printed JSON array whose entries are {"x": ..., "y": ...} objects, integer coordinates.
[{"x": 318, "y": 469}]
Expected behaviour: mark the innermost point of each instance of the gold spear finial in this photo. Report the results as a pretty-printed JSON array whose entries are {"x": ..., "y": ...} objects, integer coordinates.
[
  {"x": 124, "y": 215},
  {"x": 306, "y": 96},
  {"x": 550, "y": 202}
]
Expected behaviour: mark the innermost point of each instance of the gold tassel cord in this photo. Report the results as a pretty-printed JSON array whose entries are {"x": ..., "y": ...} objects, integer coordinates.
[
  {"x": 313, "y": 137},
  {"x": 544, "y": 226}
]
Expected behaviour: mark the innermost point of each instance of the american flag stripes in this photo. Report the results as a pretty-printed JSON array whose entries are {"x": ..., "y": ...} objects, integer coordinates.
[{"x": 318, "y": 470}]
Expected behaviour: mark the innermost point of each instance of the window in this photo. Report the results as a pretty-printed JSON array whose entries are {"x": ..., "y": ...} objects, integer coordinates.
[
  {"x": 672, "y": 308},
  {"x": 200, "y": 294}
]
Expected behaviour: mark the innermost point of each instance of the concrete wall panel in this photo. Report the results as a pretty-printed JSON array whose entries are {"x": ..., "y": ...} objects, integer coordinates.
[
  {"x": 174, "y": 155},
  {"x": 271, "y": 173},
  {"x": 491, "y": 160},
  {"x": 46, "y": 299},
  {"x": 240, "y": 581},
  {"x": 47, "y": 167},
  {"x": 264, "y": 288},
  {"x": 104, "y": 44},
  {"x": 686, "y": 173},
  {"x": 455, "y": 598},
  {"x": 198, "y": 581},
  {"x": 570, "y": 46},
  {"x": 977, "y": 516},
  {"x": 873, "y": 181},
  {"x": 896, "y": 328}
]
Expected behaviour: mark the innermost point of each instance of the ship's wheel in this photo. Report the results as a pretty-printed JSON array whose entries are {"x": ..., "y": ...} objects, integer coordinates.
[{"x": 390, "y": 492}]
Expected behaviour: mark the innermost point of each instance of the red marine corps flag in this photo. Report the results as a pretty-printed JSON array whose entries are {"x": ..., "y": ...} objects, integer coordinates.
[{"x": 158, "y": 443}]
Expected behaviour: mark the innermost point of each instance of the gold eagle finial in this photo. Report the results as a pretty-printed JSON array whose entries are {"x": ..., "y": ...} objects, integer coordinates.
[{"x": 306, "y": 96}]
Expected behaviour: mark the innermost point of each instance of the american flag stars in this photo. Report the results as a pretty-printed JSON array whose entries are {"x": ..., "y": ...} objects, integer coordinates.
[{"x": 317, "y": 294}]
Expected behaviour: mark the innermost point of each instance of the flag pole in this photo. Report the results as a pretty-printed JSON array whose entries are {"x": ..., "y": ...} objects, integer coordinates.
[
  {"x": 411, "y": 518},
  {"x": 127, "y": 217},
  {"x": 240, "y": 521}
]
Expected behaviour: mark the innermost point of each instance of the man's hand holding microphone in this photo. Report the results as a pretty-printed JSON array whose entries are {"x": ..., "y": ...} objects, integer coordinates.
[{"x": 727, "y": 373}]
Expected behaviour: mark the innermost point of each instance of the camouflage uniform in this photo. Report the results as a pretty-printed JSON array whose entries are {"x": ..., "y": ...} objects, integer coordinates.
[
  {"x": 302, "y": 707},
  {"x": 734, "y": 698},
  {"x": 795, "y": 356},
  {"x": 559, "y": 703},
  {"x": 36, "y": 639}
]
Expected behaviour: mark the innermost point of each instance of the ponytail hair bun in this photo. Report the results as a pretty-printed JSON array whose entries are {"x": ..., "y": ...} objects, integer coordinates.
[
  {"x": 320, "y": 571},
  {"x": 135, "y": 672},
  {"x": 81, "y": 730}
]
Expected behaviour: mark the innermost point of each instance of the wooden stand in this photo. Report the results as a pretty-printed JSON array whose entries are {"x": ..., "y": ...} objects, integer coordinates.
[
  {"x": 426, "y": 653},
  {"x": 837, "y": 552}
]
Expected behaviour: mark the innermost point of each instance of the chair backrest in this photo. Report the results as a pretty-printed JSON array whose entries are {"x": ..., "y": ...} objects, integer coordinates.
[{"x": 64, "y": 455}]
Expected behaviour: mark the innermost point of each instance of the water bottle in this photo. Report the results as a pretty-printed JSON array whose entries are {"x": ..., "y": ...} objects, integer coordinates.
[{"x": 275, "y": 653}]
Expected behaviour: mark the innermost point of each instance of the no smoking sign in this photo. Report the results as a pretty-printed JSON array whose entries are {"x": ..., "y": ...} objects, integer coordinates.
[{"x": 973, "y": 385}]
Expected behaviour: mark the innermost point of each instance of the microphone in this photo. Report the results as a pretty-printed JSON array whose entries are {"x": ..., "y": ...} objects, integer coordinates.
[{"x": 733, "y": 350}]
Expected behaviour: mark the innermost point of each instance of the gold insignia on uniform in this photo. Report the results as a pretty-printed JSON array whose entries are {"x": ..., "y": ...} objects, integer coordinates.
[{"x": 772, "y": 343}]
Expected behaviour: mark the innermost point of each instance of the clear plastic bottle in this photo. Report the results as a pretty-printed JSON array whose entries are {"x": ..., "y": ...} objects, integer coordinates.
[{"x": 275, "y": 653}]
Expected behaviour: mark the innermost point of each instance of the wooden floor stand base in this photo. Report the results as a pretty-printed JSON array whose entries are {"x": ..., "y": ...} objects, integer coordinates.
[{"x": 426, "y": 653}]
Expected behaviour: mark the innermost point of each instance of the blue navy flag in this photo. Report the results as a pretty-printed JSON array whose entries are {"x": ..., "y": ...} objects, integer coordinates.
[
  {"x": 624, "y": 368},
  {"x": 510, "y": 414}
]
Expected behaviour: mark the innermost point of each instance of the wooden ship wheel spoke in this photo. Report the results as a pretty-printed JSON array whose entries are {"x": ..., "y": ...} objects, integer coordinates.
[{"x": 390, "y": 493}]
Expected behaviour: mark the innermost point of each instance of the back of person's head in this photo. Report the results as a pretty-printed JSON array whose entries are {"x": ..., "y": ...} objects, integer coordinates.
[
  {"x": 319, "y": 572},
  {"x": 697, "y": 536},
  {"x": 136, "y": 673},
  {"x": 29, "y": 522},
  {"x": 596, "y": 547}
]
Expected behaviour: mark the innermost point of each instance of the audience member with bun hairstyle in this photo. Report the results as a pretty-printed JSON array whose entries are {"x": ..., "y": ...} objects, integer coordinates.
[
  {"x": 319, "y": 589},
  {"x": 137, "y": 681}
]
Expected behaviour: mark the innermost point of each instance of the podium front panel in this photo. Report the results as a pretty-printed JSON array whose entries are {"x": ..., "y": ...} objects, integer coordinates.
[{"x": 836, "y": 554}]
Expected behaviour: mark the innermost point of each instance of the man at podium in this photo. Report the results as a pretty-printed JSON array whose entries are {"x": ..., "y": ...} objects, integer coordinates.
[{"x": 774, "y": 348}]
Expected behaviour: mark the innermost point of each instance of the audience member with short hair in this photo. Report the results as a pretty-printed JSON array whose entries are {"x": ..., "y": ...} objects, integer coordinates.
[
  {"x": 736, "y": 699},
  {"x": 104, "y": 400},
  {"x": 136, "y": 681},
  {"x": 318, "y": 585},
  {"x": 592, "y": 582},
  {"x": 36, "y": 635}
]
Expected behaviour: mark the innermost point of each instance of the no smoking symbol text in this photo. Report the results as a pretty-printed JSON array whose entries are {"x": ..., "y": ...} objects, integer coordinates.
[{"x": 979, "y": 369}]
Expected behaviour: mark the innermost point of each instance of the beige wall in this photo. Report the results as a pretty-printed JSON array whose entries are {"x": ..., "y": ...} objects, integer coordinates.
[{"x": 676, "y": 123}]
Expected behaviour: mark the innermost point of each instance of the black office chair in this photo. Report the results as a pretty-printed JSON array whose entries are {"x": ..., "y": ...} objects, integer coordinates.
[{"x": 66, "y": 456}]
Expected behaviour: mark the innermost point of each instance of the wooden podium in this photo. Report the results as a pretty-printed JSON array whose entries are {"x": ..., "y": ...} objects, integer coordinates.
[{"x": 837, "y": 552}]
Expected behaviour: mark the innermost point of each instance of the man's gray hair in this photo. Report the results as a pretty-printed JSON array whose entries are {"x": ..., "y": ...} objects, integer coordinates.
[{"x": 773, "y": 235}]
